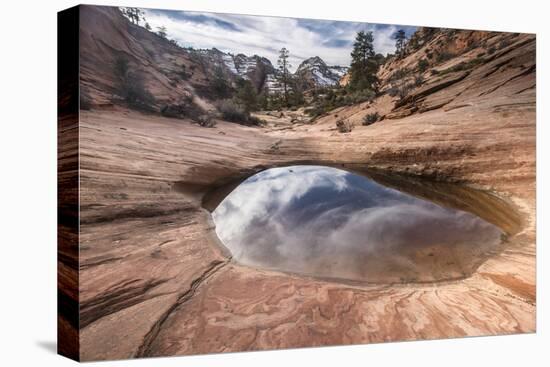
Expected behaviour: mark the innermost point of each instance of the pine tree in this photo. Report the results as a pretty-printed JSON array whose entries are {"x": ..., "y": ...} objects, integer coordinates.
[
  {"x": 134, "y": 14},
  {"x": 400, "y": 39},
  {"x": 219, "y": 84},
  {"x": 284, "y": 73},
  {"x": 161, "y": 31},
  {"x": 263, "y": 98},
  {"x": 296, "y": 97},
  {"x": 246, "y": 95},
  {"x": 363, "y": 66}
]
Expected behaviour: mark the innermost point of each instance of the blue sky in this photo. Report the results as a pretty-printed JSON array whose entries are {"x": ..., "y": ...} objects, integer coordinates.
[{"x": 264, "y": 36}]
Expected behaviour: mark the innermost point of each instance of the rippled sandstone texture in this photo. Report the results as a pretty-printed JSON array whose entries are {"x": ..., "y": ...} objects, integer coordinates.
[{"x": 153, "y": 281}]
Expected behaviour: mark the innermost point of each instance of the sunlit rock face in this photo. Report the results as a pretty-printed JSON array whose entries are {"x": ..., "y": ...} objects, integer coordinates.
[{"x": 329, "y": 223}]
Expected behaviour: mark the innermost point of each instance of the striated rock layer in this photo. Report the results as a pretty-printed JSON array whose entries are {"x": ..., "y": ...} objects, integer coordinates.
[{"x": 154, "y": 281}]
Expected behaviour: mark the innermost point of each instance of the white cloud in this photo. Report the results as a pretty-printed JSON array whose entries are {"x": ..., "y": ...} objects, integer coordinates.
[
  {"x": 278, "y": 187},
  {"x": 266, "y": 35}
]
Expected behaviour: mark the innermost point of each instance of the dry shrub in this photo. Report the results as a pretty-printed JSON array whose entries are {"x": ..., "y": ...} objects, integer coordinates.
[{"x": 344, "y": 126}]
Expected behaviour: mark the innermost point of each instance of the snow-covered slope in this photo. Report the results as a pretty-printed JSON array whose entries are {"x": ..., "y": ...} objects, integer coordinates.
[
  {"x": 311, "y": 73},
  {"x": 314, "y": 72},
  {"x": 254, "y": 68}
]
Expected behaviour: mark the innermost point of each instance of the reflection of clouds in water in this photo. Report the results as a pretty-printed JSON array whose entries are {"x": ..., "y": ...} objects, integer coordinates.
[
  {"x": 268, "y": 193},
  {"x": 329, "y": 222}
]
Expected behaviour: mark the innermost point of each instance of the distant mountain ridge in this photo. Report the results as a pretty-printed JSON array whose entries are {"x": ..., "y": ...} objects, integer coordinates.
[
  {"x": 254, "y": 68},
  {"x": 311, "y": 73},
  {"x": 314, "y": 72}
]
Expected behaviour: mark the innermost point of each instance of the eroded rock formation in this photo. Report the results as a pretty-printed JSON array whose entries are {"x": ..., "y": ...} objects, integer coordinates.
[{"x": 154, "y": 282}]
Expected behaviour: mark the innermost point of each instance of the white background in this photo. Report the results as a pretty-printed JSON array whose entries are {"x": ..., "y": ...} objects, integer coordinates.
[{"x": 28, "y": 181}]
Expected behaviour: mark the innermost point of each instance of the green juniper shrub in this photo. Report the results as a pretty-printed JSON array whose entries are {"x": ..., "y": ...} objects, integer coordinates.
[
  {"x": 443, "y": 56},
  {"x": 423, "y": 65},
  {"x": 131, "y": 86},
  {"x": 232, "y": 112},
  {"x": 371, "y": 118},
  {"x": 418, "y": 80}
]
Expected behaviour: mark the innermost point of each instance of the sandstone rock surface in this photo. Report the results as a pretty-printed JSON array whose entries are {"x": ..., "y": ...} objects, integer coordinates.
[{"x": 154, "y": 282}]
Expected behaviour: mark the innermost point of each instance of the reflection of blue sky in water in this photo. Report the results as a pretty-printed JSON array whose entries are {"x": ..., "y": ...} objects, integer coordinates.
[{"x": 327, "y": 222}]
